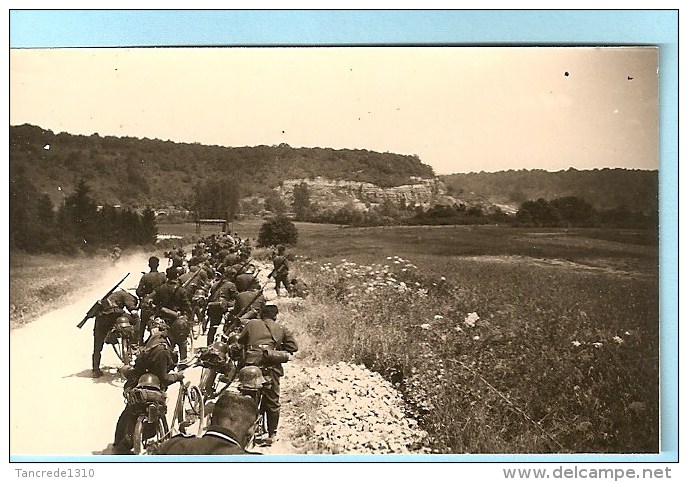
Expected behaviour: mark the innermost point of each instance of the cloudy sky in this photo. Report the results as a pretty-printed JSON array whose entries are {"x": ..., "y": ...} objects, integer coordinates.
[{"x": 460, "y": 109}]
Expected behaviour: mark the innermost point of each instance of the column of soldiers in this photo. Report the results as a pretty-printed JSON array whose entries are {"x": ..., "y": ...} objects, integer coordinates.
[{"x": 218, "y": 284}]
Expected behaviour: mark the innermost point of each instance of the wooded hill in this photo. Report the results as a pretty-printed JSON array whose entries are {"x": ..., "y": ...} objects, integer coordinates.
[
  {"x": 135, "y": 172},
  {"x": 143, "y": 172},
  {"x": 636, "y": 190}
]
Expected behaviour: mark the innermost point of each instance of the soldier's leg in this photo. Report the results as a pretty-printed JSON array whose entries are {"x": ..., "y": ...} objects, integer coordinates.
[
  {"x": 214, "y": 319},
  {"x": 272, "y": 404},
  {"x": 100, "y": 331},
  {"x": 123, "y": 443}
]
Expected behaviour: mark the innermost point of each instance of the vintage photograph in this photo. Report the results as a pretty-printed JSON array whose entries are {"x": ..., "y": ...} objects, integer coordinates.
[{"x": 334, "y": 250}]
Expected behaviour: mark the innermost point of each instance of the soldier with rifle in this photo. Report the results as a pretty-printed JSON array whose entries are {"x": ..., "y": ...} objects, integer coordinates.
[
  {"x": 115, "y": 306},
  {"x": 221, "y": 296},
  {"x": 171, "y": 302},
  {"x": 281, "y": 270},
  {"x": 267, "y": 345},
  {"x": 149, "y": 282}
]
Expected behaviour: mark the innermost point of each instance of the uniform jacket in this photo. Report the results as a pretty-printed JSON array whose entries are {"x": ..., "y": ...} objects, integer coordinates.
[
  {"x": 171, "y": 295},
  {"x": 155, "y": 358},
  {"x": 118, "y": 301},
  {"x": 281, "y": 265},
  {"x": 149, "y": 282},
  {"x": 244, "y": 281},
  {"x": 246, "y": 298},
  {"x": 257, "y": 332},
  {"x": 223, "y": 289},
  {"x": 216, "y": 441}
]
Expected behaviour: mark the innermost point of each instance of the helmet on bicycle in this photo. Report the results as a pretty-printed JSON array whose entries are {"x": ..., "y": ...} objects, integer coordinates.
[
  {"x": 220, "y": 348},
  {"x": 148, "y": 380},
  {"x": 251, "y": 378},
  {"x": 123, "y": 321}
]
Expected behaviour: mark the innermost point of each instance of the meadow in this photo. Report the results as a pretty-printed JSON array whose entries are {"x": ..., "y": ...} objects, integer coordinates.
[{"x": 503, "y": 340}]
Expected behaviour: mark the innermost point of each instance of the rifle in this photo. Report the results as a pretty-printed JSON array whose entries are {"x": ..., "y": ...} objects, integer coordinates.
[
  {"x": 272, "y": 273},
  {"x": 248, "y": 306},
  {"x": 188, "y": 282},
  {"x": 98, "y": 305}
]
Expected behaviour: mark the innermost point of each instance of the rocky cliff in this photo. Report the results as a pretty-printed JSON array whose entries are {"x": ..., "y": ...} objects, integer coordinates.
[{"x": 337, "y": 193}]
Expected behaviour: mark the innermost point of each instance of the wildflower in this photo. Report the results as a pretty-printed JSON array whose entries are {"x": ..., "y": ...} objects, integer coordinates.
[
  {"x": 627, "y": 333},
  {"x": 396, "y": 262},
  {"x": 444, "y": 337},
  {"x": 476, "y": 337},
  {"x": 471, "y": 319},
  {"x": 438, "y": 317},
  {"x": 618, "y": 339},
  {"x": 576, "y": 343},
  {"x": 458, "y": 328},
  {"x": 597, "y": 344},
  {"x": 425, "y": 326},
  {"x": 389, "y": 257},
  {"x": 443, "y": 278}
]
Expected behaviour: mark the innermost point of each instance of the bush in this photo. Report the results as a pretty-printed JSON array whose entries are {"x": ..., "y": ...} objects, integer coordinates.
[{"x": 279, "y": 230}]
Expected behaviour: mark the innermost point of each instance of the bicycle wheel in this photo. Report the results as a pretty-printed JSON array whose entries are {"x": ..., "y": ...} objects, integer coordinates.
[
  {"x": 207, "y": 385},
  {"x": 195, "y": 409},
  {"x": 123, "y": 349},
  {"x": 189, "y": 344}
]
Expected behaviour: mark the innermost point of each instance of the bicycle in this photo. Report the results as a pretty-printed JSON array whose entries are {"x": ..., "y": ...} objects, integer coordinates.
[
  {"x": 189, "y": 409},
  {"x": 150, "y": 428},
  {"x": 120, "y": 337},
  {"x": 250, "y": 385},
  {"x": 198, "y": 321}
]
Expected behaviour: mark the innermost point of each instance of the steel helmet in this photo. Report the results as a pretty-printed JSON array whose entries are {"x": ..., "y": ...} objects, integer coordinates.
[
  {"x": 220, "y": 348},
  {"x": 251, "y": 378},
  {"x": 148, "y": 380},
  {"x": 123, "y": 321}
]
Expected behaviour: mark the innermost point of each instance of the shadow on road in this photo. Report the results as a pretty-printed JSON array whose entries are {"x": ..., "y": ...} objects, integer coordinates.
[
  {"x": 113, "y": 379},
  {"x": 106, "y": 451}
]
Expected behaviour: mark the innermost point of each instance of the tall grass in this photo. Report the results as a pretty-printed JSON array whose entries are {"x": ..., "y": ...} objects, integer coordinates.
[{"x": 499, "y": 357}]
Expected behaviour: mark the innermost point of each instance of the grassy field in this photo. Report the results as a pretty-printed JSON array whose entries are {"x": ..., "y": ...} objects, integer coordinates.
[
  {"x": 503, "y": 340},
  {"x": 41, "y": 282}
]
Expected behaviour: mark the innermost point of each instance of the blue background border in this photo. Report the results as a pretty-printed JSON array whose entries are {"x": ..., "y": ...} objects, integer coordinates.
[{"x": 145, "y": 28}]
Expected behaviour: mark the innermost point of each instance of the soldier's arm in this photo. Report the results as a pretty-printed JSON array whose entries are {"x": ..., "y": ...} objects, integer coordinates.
[{"x": 289, "y": 342}]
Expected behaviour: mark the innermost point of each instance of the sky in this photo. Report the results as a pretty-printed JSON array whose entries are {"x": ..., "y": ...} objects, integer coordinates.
[{"x": 460, "y": 109}]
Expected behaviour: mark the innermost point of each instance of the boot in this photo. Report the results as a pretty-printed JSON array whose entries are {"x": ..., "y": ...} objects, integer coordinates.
[
  {"x": 273, "y": 422},
  {"x": 95, "y": 365}
]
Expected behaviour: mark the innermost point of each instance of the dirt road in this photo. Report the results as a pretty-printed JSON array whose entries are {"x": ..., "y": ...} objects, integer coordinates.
[{"x": 56, "y": 408}]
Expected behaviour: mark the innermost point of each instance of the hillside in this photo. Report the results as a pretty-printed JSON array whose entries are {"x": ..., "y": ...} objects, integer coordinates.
[
  {"x": 133, "y": 171},
  {"x": 602, "y": 188}
]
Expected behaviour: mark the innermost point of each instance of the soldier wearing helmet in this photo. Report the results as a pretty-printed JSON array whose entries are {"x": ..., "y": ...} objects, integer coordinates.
[
  {"x": 222, "y": 295},
  {"x": 149, "y": 282},
  {"x": 152, "y": 368},
  {"x": 117, "y": 303},
  {"x": 172, "y": 296},
  {"x": 281, "y": 269},
  {"x": 232, "y": 425},
  {"x": 259, "y": 337}
]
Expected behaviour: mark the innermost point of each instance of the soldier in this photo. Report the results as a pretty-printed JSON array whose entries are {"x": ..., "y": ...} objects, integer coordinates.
[
  {"x": 149, "y": 282},
  {"x": 247, "y": 281},
  {"x": 174, "y": 298},
  {"x": 281, "y": 269},
  {"x": 232, "y": 425},
  {"x": 222, "y": 294},
  {"x": 247, "y": 304},
  {"x": 105, "y": 320},
  {"x": 155, "y": 359},
  {"x": 267, "y": 334}
]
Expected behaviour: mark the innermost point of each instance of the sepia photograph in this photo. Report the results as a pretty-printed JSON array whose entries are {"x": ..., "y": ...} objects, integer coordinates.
[{"x": 308, "y": 250}]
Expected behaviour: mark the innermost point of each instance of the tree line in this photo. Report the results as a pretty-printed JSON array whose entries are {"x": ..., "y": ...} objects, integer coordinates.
[
  {"x": 78, "y": 224},
  {"x": 567, "y": 211}
]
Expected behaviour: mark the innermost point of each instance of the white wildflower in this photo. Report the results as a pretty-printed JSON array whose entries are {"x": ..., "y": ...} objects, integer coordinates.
[
  {"x": 476, "y": 337},
  {"x": 443, "y": 278},
  {"x": 597, "y": 344},
  {"x": 576, "y": 343},
  {"x": 618, "y": 339},
  {"x": 425, "y": 326},
  {"x": 438, "y": 317},
  {"x": 471, "y": 319}
]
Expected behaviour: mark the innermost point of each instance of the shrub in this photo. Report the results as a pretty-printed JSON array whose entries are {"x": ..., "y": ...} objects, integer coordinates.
[{"x": 279, "y": 230}]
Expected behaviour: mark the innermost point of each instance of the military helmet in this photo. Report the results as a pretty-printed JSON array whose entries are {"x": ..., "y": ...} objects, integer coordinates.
[
  {"x": 148, "y": 380},
  {"x": 123, "y": 321},
  {"x": 220, "y": 347},
  {"x": 251, "y": 378},
  {"x": 269, "y": 311}
]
